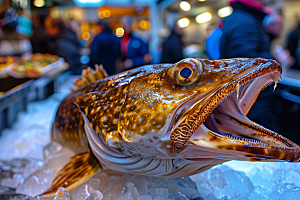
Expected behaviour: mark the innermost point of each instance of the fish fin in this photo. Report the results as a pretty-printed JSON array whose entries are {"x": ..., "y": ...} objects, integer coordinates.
[
  {"x": 89, "y": 76},
  {"x": 81, "y": 167}
]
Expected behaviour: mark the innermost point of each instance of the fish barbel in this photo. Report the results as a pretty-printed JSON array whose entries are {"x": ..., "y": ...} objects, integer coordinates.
[{"x": 169, "y": 120}]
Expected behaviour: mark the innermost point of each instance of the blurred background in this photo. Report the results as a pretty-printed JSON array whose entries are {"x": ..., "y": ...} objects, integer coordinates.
[{"x": 124, "y": 34}]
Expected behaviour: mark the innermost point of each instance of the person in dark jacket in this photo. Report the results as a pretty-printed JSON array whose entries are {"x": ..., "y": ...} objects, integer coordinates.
[
  {"x": 39, "y": 39},
  {"x": 243, "y": 34},
  {"x": 134, "y": 51},
  {"x": 64, "y": 43},
  {"x": 172, "y": 47},
  {"x": 105, "y": 49}
]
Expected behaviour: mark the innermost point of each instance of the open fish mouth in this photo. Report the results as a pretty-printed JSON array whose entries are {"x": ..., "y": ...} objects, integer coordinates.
[{"x": 226, "y": 129}]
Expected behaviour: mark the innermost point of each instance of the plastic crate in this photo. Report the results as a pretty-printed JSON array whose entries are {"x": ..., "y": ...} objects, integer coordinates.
[{"x": 14, "y": 100}]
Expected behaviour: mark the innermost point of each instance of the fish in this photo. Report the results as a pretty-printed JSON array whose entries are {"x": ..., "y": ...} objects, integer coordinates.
[{"x": 167, "y": 120}]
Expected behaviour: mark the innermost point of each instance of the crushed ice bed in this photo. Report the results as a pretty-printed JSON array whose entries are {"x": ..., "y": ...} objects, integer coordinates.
[{"x": 29, "y": 161}]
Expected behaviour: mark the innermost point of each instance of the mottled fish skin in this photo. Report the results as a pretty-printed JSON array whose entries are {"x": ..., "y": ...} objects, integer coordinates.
[{"x": 148, "y": 115}]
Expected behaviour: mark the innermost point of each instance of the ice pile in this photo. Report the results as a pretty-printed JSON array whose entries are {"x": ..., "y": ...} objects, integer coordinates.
[{"x": 250, "y": 180}]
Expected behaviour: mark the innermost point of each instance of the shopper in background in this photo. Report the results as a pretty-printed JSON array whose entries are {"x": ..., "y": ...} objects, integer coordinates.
[
  {"x": 64, "y": 43},
  {"x": 243, "y": 36},
  {"x": 134, "y": 51},
  {"x": 212, "y": 42},
  {"x": 105, "y": 49},
  {"x": 39, "y": 39},
  {"x": 273, "y": 25},
  {"x": 172, "y": 46},
  {"x": 292, "y": 43}
]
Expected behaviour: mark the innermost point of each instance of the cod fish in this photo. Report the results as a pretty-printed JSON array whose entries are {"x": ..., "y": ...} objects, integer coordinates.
[{"x": 167, "y": 120}]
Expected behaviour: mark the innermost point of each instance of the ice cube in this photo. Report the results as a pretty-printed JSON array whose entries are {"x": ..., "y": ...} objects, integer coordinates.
[
  {"x": 52, "y": 149},
  {"x": 113, "y": 192},
  {"x": 164, "y": 192},
  {"x": 282, "y": 176},
  {"x": 95, "y": 195},
  {"x": 238, "y": 184},
  {"x": 108, "y": 183},
  {"x": 145, "y": 197},
  {"x": 14, "y": 181},
  {"x": 260, "y": 193},
  {"x": 37, "y": 183},
  {"x": 58, "y": 161},
  {"x": 62, "y": 194},
  {"x": 102, "y": 176},
  {"x": 283, "y": 190},
  {"x": 32, "y": 167},
  {"x": 88, "y": 192},
  {"x": 126, "y": 178},
  {"x": 205, "y": 188},
  {"x": 129, "y": 192},
  {"x": 186, "y": 187},
  {"x": 140, "y": 182}
]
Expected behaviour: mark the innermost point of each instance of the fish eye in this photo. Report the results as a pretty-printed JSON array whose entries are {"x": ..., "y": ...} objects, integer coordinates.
[{"x": 187, "y": 71}]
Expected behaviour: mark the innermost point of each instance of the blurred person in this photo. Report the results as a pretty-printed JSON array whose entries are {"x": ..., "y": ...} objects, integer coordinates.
[
  {"x": 105, "y": 48},
  {"x": 134, "y": 51},
  {"x": 292, "y": 43},
  {"x": 212, "y": 42},
  {"x": 244, "y": 36},
  {"x": 64, "y": 43},
  {"x": 172, "y": 46},
  {"x": 39, "y": 39},
  {"x": 273, "y": 25},
  {"x": 12, "y": 43}
]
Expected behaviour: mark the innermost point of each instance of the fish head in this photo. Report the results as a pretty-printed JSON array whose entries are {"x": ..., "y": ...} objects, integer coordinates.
[{"x": 197, "y": 109}]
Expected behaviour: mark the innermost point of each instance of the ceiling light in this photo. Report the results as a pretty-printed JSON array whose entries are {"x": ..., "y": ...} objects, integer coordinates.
[
  {"x": 184, "y": 22},
  {"x": 185, "y": 6},
  {"x": 39, "y": 3},
  {"x": 224, "y": 12},
  {"x": 119, "y": 32},
  {"x": 202, "y": 0},
  {"x": 204, "y": 17},
  {"x": 106, "y": 13},
  {"x": 86, "y": 35}
]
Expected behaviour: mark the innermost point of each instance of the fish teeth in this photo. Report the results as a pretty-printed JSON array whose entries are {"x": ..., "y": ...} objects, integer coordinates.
[
  {"x": 275, "y": 85},
  {"x": 237, "y": 90}
]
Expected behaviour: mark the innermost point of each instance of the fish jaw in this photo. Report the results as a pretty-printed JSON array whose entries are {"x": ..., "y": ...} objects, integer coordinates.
[{"x": 221, "y": 129}]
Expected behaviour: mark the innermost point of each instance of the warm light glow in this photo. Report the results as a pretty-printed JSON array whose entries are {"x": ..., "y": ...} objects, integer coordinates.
[
  {"x": 85, "y": 27},
  {"x": 39, "y": 3},
  {"x": 119, "y": 32},
  {"x": 144, "y": 24},
  {"x": 106, "y": 13},
  {"x": 202, "y": 0},
  {"x": 100, "y": 15},
  {"x": 224, "y": 12},
  {"x": 204, "y": 17},
  {"x": 184, "y": 22},
  {"x": 185, "y": 6},
  {"x": 86, "y": 35}
]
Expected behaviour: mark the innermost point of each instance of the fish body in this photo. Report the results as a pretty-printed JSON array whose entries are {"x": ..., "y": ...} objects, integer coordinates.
[{"x": 173, "y": 120}]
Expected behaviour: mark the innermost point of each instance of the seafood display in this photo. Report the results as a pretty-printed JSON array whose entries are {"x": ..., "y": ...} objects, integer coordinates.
[
  {"x": 169, "y": 120},
  {"x": 35, "y": 66},
  {"x": 5, "y": 63}
]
